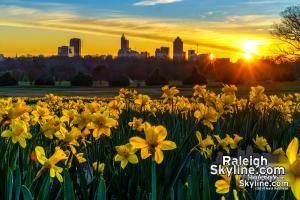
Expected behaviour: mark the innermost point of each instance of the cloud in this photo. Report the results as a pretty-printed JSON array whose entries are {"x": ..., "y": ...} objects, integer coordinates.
[
  {"x": 208, "y": 35},
  {"x": 260, "y": 2},
  {"x": 155, "y": 2}
]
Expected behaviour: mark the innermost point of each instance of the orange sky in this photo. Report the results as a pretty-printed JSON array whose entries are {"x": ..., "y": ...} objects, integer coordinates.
[{"x": 30, "y": 31}]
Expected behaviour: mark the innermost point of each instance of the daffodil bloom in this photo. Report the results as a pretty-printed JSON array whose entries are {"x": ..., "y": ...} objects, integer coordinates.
[
  {"x": 204, "y": 143},
  {"x": 137, "y": 124},
  {"x": 125, "y": 154},
  {"x": 69, "y": 116},
  {"x": 207, "y": 115},
  {"x": 101, "y": 124},
  {"x": 143, "y": 102},
  {"x": 226, "y": 143},
  {"x": 258, "y": 97},
  {"x": 82, "y": 119},
  {"x": 154, "y": 143},
  {"x": 51, "y": 126},
  {"x": 18, "y": 109},
  {"x": 262, "y": 144},
  {"x": 223, "y": 185},
  {"x": 98, "y": 167},
  {"x": 169, "y": 92},
  {"x": 18, "y": 132},
  {"x": 229, "y": 89},
  {"x": 199, "y": 90},
  {"x": 291, "y": 163},
  {"x": 236, "y": 141},
  {"x": 50, "y": 163},
  {"x": 40, "y": 113}
]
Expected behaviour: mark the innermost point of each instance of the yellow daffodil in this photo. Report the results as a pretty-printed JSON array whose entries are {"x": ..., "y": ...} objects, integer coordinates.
[
  {"x": 18, "y": 109},
  {"x": 262, "y": 144},
  {"x": 291, "y": 163},
  {"x": 236, "y": 141},
  {"x": 227, "y": 142},
  {"x": 137, "y": 124},
  {"x": 229, "y": 89},
  {"x": 204, "y": 143},
  {"x": 98, "y": 167},
  {"x": 207, "y": 115},
  {"x": 169, "y": 92},
  {"x": 154, "y": 143},
  {"x": 101, "y": 124},
  {"x": 143, "y": 102},
  {"x": 223, "y": 185},
  {"x": 51, "y": 162},
  {"x": 125, "y": 154},
  {"x": 18, "y": 132}
]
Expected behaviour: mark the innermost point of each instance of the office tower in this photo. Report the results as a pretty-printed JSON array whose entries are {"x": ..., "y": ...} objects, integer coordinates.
[
  {"x": 178, "y": 53},
  {"x": 162, "y": 53},
  {"x": 76, "y": 44},
  {"x": 66, "y": 51},
  {"x": 124, "y": 43}
]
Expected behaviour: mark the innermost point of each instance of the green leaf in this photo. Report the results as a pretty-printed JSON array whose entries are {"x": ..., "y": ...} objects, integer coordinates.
[
  {"x": 17, "y": 184},
  {"x": 44, "y": 189},
  {"x": 206, "y": 189},
  {"x": 9, "y": 185},
  {"x": 26, "y": 193},
  {"x": 101, "y": 191},
  {"x": 68, "y": 187}
]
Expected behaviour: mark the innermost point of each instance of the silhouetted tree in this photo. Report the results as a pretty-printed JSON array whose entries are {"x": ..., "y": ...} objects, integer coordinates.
[
  {"x": 156, "y": 79},
  {"x": 7, "y": 80},
  {"x": 288, "y": 31},
  {"x": 82, "y": 79},
  {"x": 195, "y": 78}
]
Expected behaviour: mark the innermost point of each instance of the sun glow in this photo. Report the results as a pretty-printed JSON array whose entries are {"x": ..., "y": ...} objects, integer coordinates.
[{"x": 250, "y": 48}]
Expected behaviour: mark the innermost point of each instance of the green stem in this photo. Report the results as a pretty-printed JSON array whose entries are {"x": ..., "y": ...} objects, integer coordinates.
[{"x": 153, "y": 180}]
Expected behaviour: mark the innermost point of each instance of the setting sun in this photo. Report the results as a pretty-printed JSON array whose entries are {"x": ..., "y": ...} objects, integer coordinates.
[
  {"x": 250, "y": 48},
  {"x": 247, "y": 56}
]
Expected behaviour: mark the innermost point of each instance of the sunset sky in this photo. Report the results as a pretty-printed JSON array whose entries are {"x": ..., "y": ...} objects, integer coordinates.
[{"x": 224, "y": 27}]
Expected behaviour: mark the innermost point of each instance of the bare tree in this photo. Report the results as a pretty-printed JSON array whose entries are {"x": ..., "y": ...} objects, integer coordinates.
[{"x": 288, "y": 31}]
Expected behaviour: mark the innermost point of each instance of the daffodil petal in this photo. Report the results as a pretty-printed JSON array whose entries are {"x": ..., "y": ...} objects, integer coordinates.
[
  {"x": 137, "y": 142},
  {"x": 292, "y": 150}
]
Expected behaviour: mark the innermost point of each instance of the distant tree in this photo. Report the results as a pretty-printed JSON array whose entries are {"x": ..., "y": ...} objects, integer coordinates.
[
  {"x": 99, "y": 73},
  {"x": 44, "y": 80},
  {"x": 82, "y": 79},
  {"x": 122, "y": 81},
  {"x": 7, "y": 80},
  {"x": 288, "y": 31},
  {"x": 156, "y": 79},
  {"x": 195, "y": 78}
]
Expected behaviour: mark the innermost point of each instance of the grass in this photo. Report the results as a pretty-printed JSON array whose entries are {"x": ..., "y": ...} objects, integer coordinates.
[{"x": 154, "y": 92}]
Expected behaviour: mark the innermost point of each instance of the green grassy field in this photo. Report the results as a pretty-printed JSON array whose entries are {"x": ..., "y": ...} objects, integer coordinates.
[{"x": 271, "y": 88}]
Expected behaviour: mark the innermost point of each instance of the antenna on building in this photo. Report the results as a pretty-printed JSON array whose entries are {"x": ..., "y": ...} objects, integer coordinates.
[{"x": 197, "y": 47}]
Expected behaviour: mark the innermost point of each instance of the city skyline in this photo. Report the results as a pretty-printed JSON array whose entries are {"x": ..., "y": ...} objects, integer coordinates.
[{"x": 223, "y": 28}]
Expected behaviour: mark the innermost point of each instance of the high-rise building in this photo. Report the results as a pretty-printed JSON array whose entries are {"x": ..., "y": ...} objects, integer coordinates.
[
  {"x": 124, "y": 43},
  {"x": 162, "y": 53},
  {"x": 126, "y": 52},
  {"x": 192, "y": 56},
  {"x": 76, "y": 43},
  {"x": 66, "y": 51},
  {"x": 2, "y": 58},
  {"x": 178, "y": 53}
]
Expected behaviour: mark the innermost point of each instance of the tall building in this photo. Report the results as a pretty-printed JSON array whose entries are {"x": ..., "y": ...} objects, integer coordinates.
[
  {"x": 126, "y": 52},
  {"x": 192, "y": 56},
  {"x": 66, "y": 51},
  {"x": 178, "y": 53},
  {"x": 124, "y": 43},
  {"x": 2, "y": 57},
  {"x": 162, "y": 53},
  {"x": 76, "y": 43}
]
